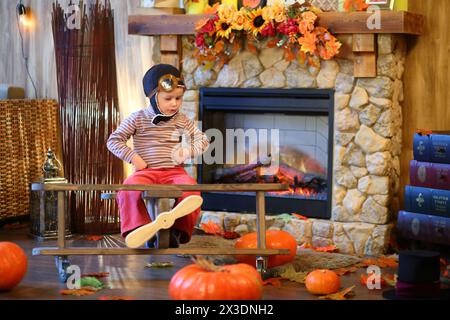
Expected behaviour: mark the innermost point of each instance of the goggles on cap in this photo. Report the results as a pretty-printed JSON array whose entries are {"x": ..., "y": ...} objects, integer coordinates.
[{"x": 169, "y": 82}]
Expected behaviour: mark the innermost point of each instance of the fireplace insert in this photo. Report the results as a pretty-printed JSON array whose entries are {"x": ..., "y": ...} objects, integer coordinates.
[{"x": 269, "y": 136}]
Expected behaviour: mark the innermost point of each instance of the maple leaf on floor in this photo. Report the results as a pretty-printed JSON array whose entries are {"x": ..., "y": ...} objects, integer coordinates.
[
  {"x": 329, "y": 249},
  {"x": 299, "y": 216},
  {"x": 211, "y": 228},
  {"x": 382, "y": 262},
  {"x": 78, "y": 292},
  {"x": 214, "y": 229},
  {"x": 290, "y": 274},
  {"x": 364, "y": 278},
  {"x": 341, "y": 295},
  {"x": 306, "y": 246},
  {"x": 346, "y": 270},
  {"x": 385, "y": 279},
  {"x": 369, "y": 262},
  {"x": 390, "y": 279},
  {"x": 96, "y": 275},
  {"x": 389, "y": 262},
  {"x": 276, "y": 282}
]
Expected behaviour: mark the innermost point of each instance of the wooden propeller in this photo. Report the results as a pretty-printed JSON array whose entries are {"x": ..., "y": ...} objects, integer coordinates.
[{"x": 165, "y": 220}]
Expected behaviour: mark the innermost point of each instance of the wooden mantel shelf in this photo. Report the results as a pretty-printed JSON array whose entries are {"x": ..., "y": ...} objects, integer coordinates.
[
  {"x": 399, "y": 22},
  {"x": 171, "y": 28}
]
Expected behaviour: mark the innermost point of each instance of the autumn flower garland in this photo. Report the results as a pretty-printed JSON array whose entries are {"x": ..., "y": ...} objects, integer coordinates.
[{"x": 292, "y": 28}]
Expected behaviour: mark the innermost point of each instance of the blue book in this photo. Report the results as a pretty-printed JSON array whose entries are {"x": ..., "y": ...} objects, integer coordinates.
[
  {"x": 423, "y": 227},
  {"x": 428, "y": 201},
  {"x": 433, "y": 147}
]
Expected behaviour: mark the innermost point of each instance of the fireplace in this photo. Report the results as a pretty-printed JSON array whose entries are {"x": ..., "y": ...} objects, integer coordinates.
[
  {"x": 269, "y": 136},
  {"x": 367, "y": 137}
]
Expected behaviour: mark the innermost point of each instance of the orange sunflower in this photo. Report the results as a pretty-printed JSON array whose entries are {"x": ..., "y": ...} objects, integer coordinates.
[
  {"x": 256, "y": 22},
  {"x": 277, "y": 12},
  {"x": 226, "y": 13},
  {"x": 309, "y": 16},
  {"x": 239, "y": 20},
  {"x": 223, "y": 29}
]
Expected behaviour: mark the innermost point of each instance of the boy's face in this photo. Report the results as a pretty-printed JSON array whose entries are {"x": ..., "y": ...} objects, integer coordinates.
[{"x": 170, "y": 102}]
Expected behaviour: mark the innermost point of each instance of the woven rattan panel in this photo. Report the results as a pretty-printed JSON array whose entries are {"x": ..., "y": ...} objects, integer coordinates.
[
  {"x": 326, "y": 5},
  {"x": 27, "y": 129}
]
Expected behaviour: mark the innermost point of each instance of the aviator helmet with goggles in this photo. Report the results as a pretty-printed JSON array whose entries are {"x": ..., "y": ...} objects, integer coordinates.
[
  {"x": 167, "y": 83},
  {"x": 161, "y": 78}
]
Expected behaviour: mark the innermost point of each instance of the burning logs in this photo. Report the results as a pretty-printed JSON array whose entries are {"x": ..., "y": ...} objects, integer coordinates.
[
  {"x": 252, "y": 174},
  {"x": 230, "y": 174}
]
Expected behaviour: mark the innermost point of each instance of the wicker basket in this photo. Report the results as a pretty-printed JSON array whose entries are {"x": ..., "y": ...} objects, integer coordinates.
[
  {"x": 27, "y": 129},
  {"x": 326, "y": 5}
]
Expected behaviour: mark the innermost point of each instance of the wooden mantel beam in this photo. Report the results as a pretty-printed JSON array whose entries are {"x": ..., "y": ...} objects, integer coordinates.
[
  {"x": 338, "y": 22},
  {"x": 172, "y": 27}
]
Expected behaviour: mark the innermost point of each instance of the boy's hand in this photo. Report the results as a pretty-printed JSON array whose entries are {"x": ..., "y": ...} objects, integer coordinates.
[
  {"x": 181, "y": 155},
  {"x": 138, "y": 163}
]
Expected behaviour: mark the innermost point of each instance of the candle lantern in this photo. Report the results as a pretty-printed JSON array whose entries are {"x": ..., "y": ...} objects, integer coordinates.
[{"x": 44, "y": 204}]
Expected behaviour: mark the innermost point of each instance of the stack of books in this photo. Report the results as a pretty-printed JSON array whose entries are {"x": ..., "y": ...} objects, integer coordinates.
[{"x": 427, "y": 199}]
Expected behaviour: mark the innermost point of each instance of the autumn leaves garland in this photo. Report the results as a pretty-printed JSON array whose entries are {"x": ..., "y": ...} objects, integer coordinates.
[{"x": 293, "y": 29}]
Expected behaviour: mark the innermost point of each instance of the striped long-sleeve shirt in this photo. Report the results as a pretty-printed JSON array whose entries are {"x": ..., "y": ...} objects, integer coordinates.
[{"x": 155, "y": 144}]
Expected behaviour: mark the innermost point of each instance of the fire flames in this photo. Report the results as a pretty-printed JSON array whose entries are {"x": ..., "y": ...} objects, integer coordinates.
[
  {"x": 293, "y": 181},
  {"x": 305, "y": 185}
]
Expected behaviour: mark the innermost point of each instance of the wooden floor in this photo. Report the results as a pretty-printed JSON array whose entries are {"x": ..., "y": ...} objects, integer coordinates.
[{"x": 129, "y": 276}]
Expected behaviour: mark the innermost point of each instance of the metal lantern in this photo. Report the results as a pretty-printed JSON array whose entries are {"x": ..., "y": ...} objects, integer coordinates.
[{"x": 44, "y": 204}]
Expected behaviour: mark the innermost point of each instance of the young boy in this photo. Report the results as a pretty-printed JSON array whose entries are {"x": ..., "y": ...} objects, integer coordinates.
[{"x": 158, "y": 155}]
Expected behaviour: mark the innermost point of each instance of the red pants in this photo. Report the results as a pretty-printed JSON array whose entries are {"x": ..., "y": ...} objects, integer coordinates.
[{"x": 133, "y": 212}]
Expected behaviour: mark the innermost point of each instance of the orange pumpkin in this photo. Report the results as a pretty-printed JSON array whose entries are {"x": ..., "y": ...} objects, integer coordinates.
[
  {"x": 13, "y": 265},
  {"x": 252, "y": 4},
  {"x": 205, "y": 281},
  {"x": 323, "y": 282},
  {"x": 274, "y": 240}
]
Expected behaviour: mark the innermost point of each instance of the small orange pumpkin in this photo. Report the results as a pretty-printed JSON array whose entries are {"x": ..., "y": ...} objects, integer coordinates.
[
  {"x": 13, "y": 265},
  {"x": 323, "y": 282},
  {"x": 252, "y": 4},
  {"x": 275, "y": 239},
  {"x": 205, "y": 281}
]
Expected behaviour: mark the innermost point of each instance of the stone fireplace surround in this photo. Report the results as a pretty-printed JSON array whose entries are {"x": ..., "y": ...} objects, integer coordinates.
[{"x": 367, "y": 139}]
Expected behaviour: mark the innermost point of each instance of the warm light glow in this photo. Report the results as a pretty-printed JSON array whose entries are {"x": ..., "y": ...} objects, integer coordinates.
[{"x": 27, "y": 20}]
